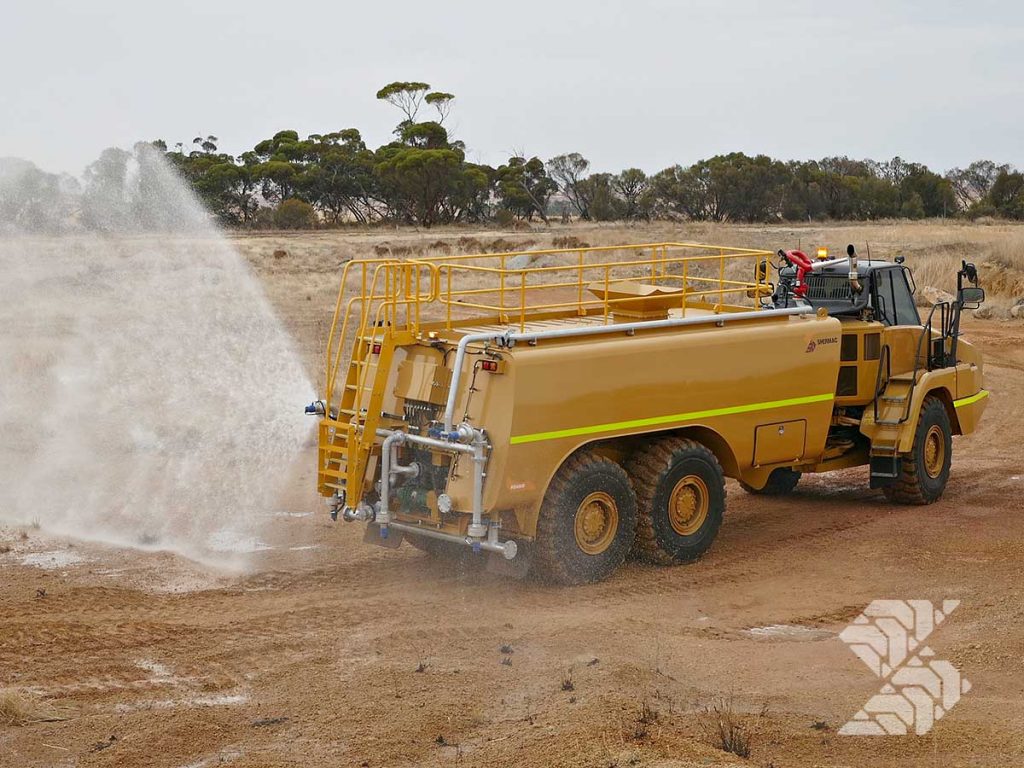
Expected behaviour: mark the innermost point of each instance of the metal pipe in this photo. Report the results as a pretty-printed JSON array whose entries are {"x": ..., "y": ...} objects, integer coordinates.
[
  {"x": 429, "y": 442},
  {"x": 855, "y": 285},
  {"x": 412, "y": 470},
  {"x": 477, "y": 529},
  {"x": 384, "y": 514},
  {"x": 508, "y": 549},
  {"x": 508, "y": 338},
  {"x": 392, "y": 439}
]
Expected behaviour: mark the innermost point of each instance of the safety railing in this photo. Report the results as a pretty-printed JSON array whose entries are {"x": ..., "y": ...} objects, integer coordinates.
[{"x": 386, "y": 295}]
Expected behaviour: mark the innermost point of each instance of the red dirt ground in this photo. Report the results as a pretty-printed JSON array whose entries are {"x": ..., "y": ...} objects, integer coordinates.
[{"x": 331, "y": 652}]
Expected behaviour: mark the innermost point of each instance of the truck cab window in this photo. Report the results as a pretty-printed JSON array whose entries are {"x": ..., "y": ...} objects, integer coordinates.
[{"x": 894, "y": 301}]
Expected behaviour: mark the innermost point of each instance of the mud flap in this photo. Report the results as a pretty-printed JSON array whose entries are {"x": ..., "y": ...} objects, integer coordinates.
[
  {"x": 885, "y": 470},
  {"x": 393, "y": 540}
]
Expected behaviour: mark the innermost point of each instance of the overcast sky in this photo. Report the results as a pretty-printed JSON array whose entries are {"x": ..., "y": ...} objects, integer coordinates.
[{"x": 643, "y": 83}]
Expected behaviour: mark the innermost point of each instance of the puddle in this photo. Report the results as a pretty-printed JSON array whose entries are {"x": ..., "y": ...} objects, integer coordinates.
[
  {"x": 53, "y": 559},
  {"x": 212, "y": 700},
  {"x": 155, "y": 668},
  {"x": 789, "y": 632},
  {"x": 222, "y": 757}
]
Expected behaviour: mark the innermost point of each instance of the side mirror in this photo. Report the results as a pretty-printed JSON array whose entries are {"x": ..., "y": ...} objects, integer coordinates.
[{"x": 971, "y": 297}]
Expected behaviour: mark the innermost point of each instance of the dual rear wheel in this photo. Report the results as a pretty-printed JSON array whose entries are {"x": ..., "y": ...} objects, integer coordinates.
[{"x": 666, "y": 505}]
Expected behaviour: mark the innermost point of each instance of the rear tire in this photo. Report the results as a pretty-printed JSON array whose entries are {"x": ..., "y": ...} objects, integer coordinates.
[
  {"x": 680, "y": 489},
  {"x": 587, "y": 521},
  {"x": 780, "y": 482},
  {"x": 924, "y": 471}
]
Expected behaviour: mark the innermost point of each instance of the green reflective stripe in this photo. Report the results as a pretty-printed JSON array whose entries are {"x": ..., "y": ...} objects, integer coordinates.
[
  {"x": 972, "y": 399},
  {"x": 656, "y": 420}
]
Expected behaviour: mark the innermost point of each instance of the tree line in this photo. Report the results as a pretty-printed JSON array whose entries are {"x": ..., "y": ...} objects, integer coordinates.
[{"x": 422, "y": 177}]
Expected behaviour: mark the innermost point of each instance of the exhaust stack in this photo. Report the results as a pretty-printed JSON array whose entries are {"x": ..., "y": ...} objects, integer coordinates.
[{"x": 854, "y": 278}]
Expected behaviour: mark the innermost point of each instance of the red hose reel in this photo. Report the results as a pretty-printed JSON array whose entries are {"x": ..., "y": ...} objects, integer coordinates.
[{"x": 803, "y": 265}]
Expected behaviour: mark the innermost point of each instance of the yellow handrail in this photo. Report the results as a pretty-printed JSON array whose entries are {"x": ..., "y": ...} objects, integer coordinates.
[{"x": 390, "y": 292}]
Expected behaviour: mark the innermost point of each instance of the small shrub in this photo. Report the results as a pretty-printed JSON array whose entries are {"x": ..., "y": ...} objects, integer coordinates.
[
  {"x": 501, "y": 245},
  {"x": 568, "y": 241},
  {"x": 727, "y": 729},
  {"x": 22, "y": 708},
  {"x": 294, "y": 214},
  {"x": 567, "y": 683},
  {"x": 646, "y": 717},
  {"x": 470, "y": 245}
]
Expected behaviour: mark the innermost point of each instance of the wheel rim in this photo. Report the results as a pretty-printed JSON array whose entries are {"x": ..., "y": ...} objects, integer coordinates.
[
  {"x": 688, "y": 505},
  {"x": 934, "y": 451},
  {"x": 597, "y": 520}
]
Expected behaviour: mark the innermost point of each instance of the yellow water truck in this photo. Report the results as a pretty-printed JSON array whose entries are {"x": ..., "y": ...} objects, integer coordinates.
[{"x": 557, "y": 410}]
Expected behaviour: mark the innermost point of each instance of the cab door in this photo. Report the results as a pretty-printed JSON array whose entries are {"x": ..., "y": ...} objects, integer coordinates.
[{"x": 892, "y": 298}]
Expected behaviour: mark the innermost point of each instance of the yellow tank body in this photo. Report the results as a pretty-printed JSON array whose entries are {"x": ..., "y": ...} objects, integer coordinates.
[{"x": 751, "y": 389}]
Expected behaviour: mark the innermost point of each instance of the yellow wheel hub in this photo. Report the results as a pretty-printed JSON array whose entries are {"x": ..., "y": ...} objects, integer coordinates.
[
  {"x": 934, "y": 451},
  {"x": 688, "y": 505},
  {"x": 597, "y": 520}
]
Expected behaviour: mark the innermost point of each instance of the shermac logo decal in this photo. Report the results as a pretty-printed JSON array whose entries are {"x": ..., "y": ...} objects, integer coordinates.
[
  {"x": 917, "y": 690},
  {"x": 813, "y": 345}
]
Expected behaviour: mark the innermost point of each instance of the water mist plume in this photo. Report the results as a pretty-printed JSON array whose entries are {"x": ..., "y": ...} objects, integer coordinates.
[{"x": 148, "y": 395}]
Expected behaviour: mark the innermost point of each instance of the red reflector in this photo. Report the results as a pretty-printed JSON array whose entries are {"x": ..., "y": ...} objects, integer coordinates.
[
  {"x": 376, "y": 349},
  {"x": 489, "y": 365}
]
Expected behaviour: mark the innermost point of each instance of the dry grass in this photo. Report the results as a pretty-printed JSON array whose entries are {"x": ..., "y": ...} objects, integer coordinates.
[
  {"x": 933, "y": 248},
  {"x": 23, "y": 708},
  {"x": 307, "y": 278},
  {"x": 729, "y": 730}
]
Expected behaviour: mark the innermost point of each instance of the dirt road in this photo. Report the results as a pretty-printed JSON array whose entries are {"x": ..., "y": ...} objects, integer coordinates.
[{"x": 330, "y": 652}]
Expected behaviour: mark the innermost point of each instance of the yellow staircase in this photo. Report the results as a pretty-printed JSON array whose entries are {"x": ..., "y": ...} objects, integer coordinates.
[{"x": 347, "y": 436}]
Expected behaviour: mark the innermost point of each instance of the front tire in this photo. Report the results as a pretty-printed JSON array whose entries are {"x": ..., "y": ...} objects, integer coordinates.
[
  {"x": 680, "y": 490},
  {"x": 587, "y": 521},
  {"x": 924, "y": 471}
]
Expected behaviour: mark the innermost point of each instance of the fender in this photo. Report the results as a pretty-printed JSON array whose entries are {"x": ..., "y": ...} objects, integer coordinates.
[{"x": 940, "y": 383}]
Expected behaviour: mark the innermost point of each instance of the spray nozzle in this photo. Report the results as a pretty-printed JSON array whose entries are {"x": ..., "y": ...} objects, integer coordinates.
[{"x": 316, "y": 408}]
